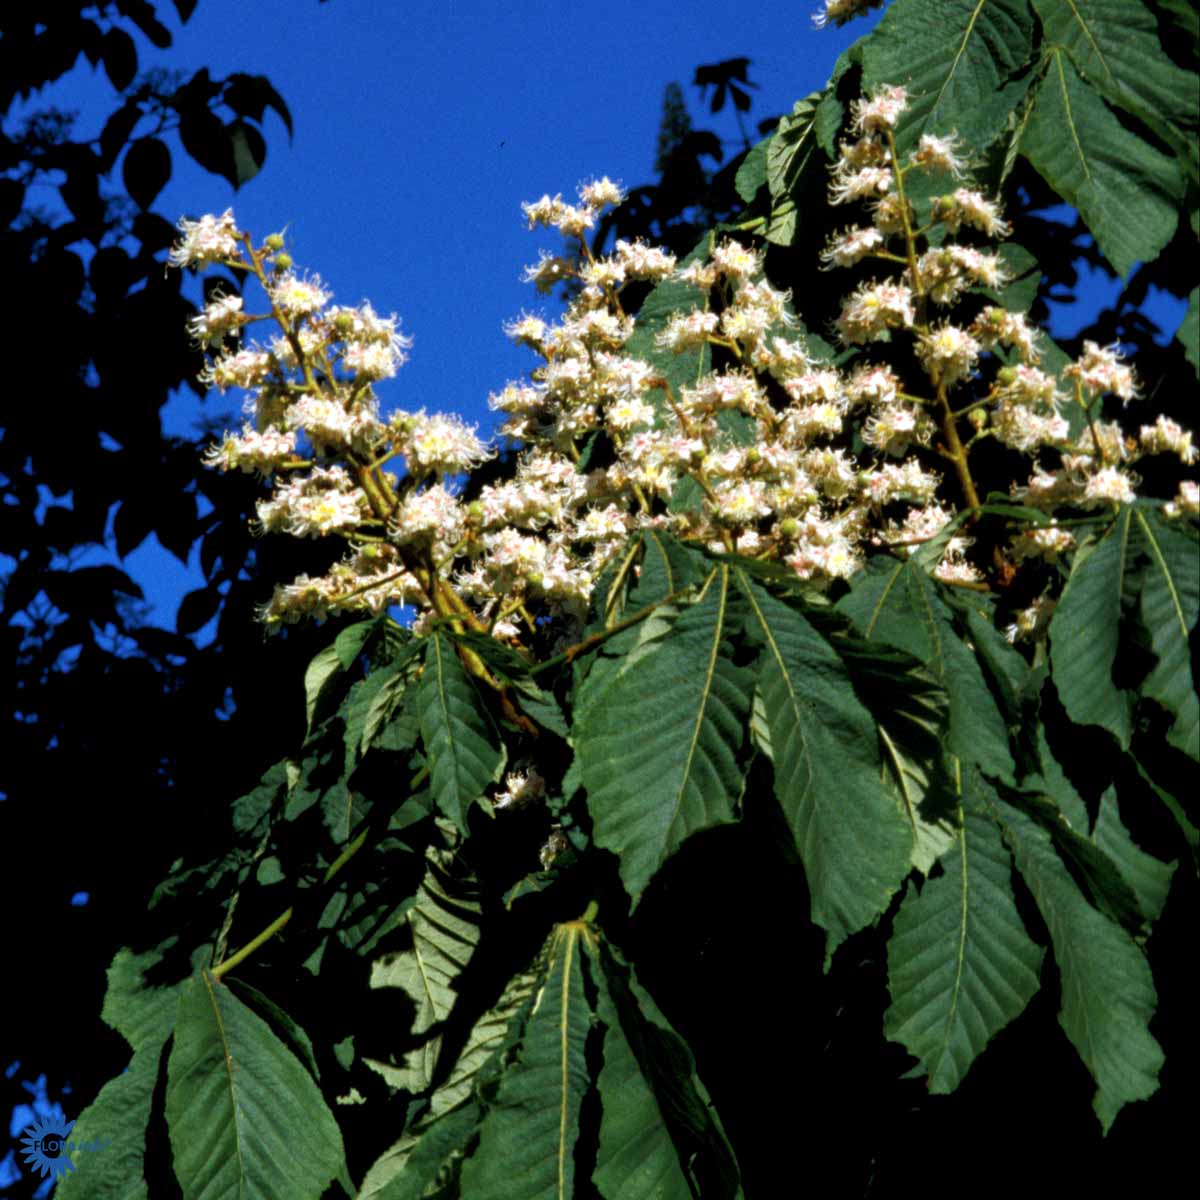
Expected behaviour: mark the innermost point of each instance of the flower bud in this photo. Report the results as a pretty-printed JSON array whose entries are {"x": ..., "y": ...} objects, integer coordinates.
[
  {"x": 978, "y": 417},
  {"x": 789, "y": 527},
  {"x": 534, "y": 579},
  {"x": 752, "y": 456},
  {"x": 475, "y": 512},
  {"x": 343, "y": 322},
  {"x": 1006, "y": 376}
]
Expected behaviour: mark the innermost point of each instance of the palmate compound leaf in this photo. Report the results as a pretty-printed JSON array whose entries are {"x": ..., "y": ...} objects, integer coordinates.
[
  {"x": 658, "y": 747},
  {"x": 144, "y": 1015},
  {"x": 658, "y": 1138},
  {"x": 960, "y": 964},
  {"x": 444, "y": 924},
  {"x": 246, "y": 1119},
  {"x": 1108, "y": 996},
  {"x": 464, "y": 750},
  {"x": 527, "y": 1138},
  {"x": 855, "y": 843},
  {"x": 960, "y": 60}
]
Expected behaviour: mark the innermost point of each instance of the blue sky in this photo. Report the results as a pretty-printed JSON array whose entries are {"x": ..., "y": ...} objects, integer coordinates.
[{"x": 419, "y": 130}]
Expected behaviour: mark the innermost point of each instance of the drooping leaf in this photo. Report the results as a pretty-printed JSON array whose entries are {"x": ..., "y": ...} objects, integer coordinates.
[
  {"x": 144, "y": 1014},
  {"x": 1170, "y": 604},
  {"x": 444, "y": 925},
  {"x": 1148, "y": 877},
  {"x": 317, "y": 678},
  {"x": 1108, "y": 996},
  {"x": 1084, "y": 632},
  {"x": 960, "y": 964},
  {"x": 527, "y": 1139},
  {"x": 961, "y": 62},
  {"x": 752, "y": 174},
  {"x": 855, "y": 843},
  {"x": 657, "y": 1136},
  {"x": 420, "y": 1157},
  {"x": 465, "y": 752},
  {"x": 898, "y": 604},
  {"x": 245, "y": 1117},
  {"x": 792, "y": 155},
  {"x": 1125, "y": 190},
  {"x": 689, "y": 704},
  {"x": 1098, "y": 873}
]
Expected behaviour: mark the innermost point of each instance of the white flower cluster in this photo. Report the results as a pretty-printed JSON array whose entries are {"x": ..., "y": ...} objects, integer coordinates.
[{"x": 751, "y": 456}]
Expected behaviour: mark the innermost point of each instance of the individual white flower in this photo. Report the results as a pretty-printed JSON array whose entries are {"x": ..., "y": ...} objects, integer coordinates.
[
  {"x": 1101, "y": 370},
  {"x": 880, "y": 111},
  {"x": 221, "y": 316},
  {"x": 948, "y": 353},
  {"x": 211, "y": 239},
  {"x": 297, "y": 297},
  {"x": 938, "y": 154}
]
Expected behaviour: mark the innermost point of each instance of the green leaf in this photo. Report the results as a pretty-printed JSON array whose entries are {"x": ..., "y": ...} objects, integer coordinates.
[
  {"x": 351, "y": 642},
  {"x": 444, "y": 925},
  {"x": 527, "y": 1139},
  {"x": 421, "y": 1158},
  {"x": 1124, "y": 189},
  {"x": 961, "y": 61},
  {"x": 752, "y": 174},
  {"x": 1189, "y": 330},
  {"x": 1116, "y": 47},
  {"x": 465, "y": 752},
  {"x": 1084, "y": 632},
  {"x": 658, "y": 1140},
  {"x": 245, "y": 1117},
  {"x": 791, "y": 155},
  {"x": 898, "y": 604},
  {"x": 854, "y": 842},
  {"x": 688, "y": 704},
  {"x": 317, "y": 677},
  {"x": 1170, "y": 604},
  {"x": 911, "y": 712},
  {"x": 409, "y": 1166},
  {"x": 1108, "y": 996},
  {"x": 1098, "y": 873},
  {"x": 144, "y": 1015},
  {"x": 960, "y": 964},
  {"x": 1148, "y": 877}
]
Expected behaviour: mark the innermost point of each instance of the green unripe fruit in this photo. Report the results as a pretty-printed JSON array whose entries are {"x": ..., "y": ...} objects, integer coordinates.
[
  {"x": 274, "y": 242},
  {"x": 789, "y": 527},
  {"x": 1006, "y": 376},
  {"x": 475, "y": 510},
  {"x": 753, "y": 456},
  {"x": 343, "y": 322},
  {"x": 282, "y": 262},
  {"x": 534, "y": 579},
  {"x": 978, "y": 417}
]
